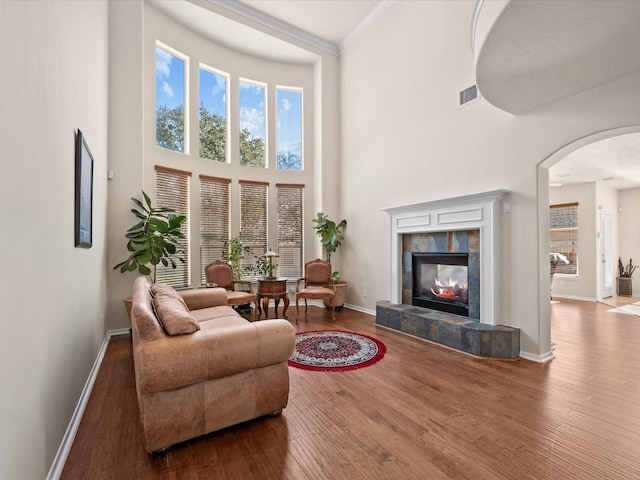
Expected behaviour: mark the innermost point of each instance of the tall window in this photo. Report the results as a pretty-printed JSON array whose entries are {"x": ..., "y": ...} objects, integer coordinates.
[
  {"x": 289, "y": 128},
  {"x": 253, "y": 218},
  {"x": 213, "y": 115},
  {"x": 170, "y": 100},
  {"x": 253, "y": 128},
  {"x": 214, "y": 219},
  {"x": 172, "y": 191},
  {"x": 290, "y": 235},
  {"x": 563, "y": 224}
]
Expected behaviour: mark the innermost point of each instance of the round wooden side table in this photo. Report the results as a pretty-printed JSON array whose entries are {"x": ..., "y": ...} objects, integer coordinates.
[{"x": 272, "y": 288}]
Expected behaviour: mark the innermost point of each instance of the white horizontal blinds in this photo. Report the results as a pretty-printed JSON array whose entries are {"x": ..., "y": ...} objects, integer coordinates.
[
  {"x": 253, "y": 220},
  {"x": 290, "y": 235},
  {"x": 214, "y": 219},
  {"x": 563, "y": 231},
  {"x": 172, "y": 191}
]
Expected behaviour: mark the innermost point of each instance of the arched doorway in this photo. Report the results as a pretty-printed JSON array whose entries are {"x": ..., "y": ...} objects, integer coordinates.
[{"x": 543, "y": 224}]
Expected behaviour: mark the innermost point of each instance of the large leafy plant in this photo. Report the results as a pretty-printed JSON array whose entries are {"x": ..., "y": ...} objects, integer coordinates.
[
  {"x": 330, "y": 234},
  {"x": 154, "y": 239}
]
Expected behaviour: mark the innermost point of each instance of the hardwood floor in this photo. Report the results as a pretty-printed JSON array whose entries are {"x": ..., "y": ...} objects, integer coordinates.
[{"x": 423, "y": 412}]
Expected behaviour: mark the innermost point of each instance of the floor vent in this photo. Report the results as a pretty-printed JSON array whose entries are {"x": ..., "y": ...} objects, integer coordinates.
[{"x": 468, "y": 95}]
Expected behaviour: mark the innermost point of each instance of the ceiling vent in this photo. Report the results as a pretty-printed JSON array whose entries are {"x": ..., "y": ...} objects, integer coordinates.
[{"x": 468, "y": 95}]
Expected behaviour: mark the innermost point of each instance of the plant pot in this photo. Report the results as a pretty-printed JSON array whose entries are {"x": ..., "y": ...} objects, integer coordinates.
[
  {"x": 127, "y": 304},
  {"x": 341, "y": 293}
]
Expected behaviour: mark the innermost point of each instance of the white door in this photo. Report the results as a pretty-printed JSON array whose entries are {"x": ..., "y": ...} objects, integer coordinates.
[{"x": 606, "y": 253}]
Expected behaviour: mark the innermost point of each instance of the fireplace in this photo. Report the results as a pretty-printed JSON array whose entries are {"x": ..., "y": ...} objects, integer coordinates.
[
  {"x": 440, "y": 226},
  {"x": 456, "y": 242},
  {"x": 441, "y": 281}
]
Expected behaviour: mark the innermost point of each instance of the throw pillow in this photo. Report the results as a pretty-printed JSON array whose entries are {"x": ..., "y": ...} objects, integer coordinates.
[{"x": 173, "y": 314}]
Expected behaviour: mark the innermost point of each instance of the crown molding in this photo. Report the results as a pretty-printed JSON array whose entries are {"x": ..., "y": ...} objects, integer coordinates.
[
  {"x": 270, "y": 22},
  {"x": 364, "y": 25},
  {"x": 296, "y": 33}
]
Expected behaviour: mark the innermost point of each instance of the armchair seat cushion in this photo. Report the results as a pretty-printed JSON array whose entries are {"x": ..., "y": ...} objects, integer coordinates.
[
  {"x": 316, "y": 293},
  {"x": 240, "y": 298}
]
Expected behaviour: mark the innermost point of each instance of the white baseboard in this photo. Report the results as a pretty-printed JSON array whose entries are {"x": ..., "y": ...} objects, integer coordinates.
[
  {"x": 544, "y": 358},
  {"x": 360, "y": 309},
  {"x": 69, "y": 436},
  {"x": 574, "y": 297}
]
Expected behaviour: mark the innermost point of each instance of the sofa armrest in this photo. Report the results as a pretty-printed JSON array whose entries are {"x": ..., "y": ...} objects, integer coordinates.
[
  {"x": 175, "y": 362},
  {"x": 199, "y": 298}
]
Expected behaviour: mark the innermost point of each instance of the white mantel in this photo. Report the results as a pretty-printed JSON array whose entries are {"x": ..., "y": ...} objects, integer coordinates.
[{"x": 479, "y": 211}]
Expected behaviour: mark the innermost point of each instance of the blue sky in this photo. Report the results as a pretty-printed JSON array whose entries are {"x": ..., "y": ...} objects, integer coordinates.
[
  {"x": 252, "y": 109},
  {"x": 169, "y": 79},
  {"x": 213, "y": 92},
  {"x": 289, "y": 117}
]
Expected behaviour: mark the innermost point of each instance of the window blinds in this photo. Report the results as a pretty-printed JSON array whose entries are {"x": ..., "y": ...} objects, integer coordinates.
[
  {"x": 253, "y": 219},
  {"x": 172, "y": 191},
  {"x": 290, "y": 233},
  {"x": 214, "y": 220}
]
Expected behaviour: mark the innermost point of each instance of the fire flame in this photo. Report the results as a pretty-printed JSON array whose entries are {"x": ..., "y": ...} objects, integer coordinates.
[{"x": 448, "y": 289}]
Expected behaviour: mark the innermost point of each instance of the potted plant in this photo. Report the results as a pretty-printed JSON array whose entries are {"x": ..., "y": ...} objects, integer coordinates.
[
  {"x": 331, "y": 236},
  {"x": 234, "y": 251},
  {"x": 153, "y": 239}
]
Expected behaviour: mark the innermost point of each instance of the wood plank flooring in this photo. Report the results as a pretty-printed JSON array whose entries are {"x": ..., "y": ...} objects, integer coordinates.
[{"x": 423, "y": 412}]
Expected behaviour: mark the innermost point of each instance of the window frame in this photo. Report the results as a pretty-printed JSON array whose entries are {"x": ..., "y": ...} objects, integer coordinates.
[
  {"x": 265, "y": 87},
  {"x": 576, "y": 242},
  {"x": 300, "y": 90},
  {"x": 185, "y": 100},
  {"x": 227, "y": 77}
]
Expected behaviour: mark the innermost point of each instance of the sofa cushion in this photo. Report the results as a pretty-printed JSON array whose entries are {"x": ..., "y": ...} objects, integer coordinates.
[
  {"x": 173, "y": 314},
  {"x": 164, "y": 289}
]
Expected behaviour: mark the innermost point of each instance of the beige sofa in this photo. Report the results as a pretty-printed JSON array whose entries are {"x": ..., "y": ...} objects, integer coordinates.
[{"x": 215, "y": 369}]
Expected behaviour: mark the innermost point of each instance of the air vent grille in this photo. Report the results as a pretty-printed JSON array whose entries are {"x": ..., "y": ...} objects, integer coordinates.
[{"x": 468, "y": 95}]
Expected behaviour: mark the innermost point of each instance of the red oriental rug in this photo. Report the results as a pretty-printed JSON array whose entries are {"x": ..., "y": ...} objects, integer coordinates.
[{"x": 335, "y": 351}]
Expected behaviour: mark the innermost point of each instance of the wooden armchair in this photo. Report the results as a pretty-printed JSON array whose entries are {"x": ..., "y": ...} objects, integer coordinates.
[
  {"x": 317, "y": 284},
  {"x": 220, "y": 274}
]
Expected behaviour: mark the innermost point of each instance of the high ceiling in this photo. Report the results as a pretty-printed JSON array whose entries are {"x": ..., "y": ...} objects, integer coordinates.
[
  {"x": 330, "y": 20},
  {"x": 292, "y": 30}
]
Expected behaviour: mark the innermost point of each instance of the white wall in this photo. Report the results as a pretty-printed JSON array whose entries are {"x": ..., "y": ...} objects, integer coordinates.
[
  {"x": 54, "y": 81},
  {"x": 629, "y": 229},
  {"x": 405, "y": 141}
]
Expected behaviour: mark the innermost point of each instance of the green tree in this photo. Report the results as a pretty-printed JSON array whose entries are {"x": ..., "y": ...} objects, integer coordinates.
[
  {"x": 252, "y": 151},
  {"x": 170, "y": 128},
  {"x": 289, "y": 161},
  {"x": 213, "y": 135}
]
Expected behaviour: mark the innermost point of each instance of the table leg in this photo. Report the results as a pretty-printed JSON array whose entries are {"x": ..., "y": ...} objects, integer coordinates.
[
  {"x": 286, "y": 305},
  {"x": 265, "y": 306},
  {"x": 258, "y": 306}
]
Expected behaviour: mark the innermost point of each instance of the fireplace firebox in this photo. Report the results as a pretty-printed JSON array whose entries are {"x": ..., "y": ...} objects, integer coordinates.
[{"x": 441, "y": 281}]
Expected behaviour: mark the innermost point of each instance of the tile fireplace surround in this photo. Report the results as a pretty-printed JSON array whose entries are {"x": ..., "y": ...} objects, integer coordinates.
[{"x": 423, "y": 227}]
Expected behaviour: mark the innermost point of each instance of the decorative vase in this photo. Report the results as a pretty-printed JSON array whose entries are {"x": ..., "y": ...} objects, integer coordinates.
[{"x": 341, "y": 293}]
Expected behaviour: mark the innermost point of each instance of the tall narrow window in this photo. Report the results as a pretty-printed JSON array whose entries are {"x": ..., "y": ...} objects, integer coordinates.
[
  {"x": 563, "y": 231},
  {"x": 253, "y": 129},
  {"x": 213, "y": 115},
  {"x": 170, "y": 101},
  {"x": 289, "y": 129},
  {"x": 253, "y": 218},
  {"x": 290, "y": 234},
  {"x": 172, "y": 191},
  {"x": 214, "y": 219}
]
